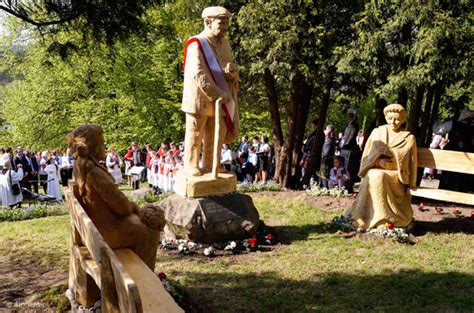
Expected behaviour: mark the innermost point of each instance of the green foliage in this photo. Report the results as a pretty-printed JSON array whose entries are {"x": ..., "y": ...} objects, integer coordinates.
[
  {"x": 268, "y": 186},
  {"x": 132, "y": 89},
  {"x": 402, "y": 45},
  {"x": 151, "y": 197},
  {"x": 19, "y": 214}
]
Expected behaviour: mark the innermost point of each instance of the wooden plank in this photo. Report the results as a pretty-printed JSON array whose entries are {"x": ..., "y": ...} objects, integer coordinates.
[
  {"x": 127, "y": 291},
  {"x": 454, "y": 161},
  {"x": 108, "y": 293},
  {"x": 88, "y": 264},
  {"x": 443, "y": 195},
  {"x": 154, "y": 297},
  {"x": 90, "y": 236}
]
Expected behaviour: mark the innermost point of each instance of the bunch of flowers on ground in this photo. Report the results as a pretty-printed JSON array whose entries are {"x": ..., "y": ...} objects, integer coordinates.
[
  {"x": 390, "y": 231},
  {"x": 265, "y": 236},
  {"x": 316, "y": 191},
  {"x": 342, "y": 223}
]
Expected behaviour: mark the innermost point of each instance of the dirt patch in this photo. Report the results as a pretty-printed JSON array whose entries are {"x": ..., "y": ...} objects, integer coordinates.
[{"x": 20, "y": 280}]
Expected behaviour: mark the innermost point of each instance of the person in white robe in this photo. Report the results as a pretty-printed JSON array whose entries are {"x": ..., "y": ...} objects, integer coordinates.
[
  {"x": 53, "y": 187},
  {"x": 9, "y": 178},
  {"x": 113, "y": 163}
]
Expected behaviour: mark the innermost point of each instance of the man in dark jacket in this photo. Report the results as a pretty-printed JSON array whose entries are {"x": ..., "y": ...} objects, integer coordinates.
[{"x": 348, "y": 145}]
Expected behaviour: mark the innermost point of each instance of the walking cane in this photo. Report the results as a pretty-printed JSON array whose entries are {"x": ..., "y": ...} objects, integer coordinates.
[{"x": 217, "y": 131}]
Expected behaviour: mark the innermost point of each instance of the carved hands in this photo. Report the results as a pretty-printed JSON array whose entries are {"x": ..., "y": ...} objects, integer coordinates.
[{"x": 387, "y": 164}]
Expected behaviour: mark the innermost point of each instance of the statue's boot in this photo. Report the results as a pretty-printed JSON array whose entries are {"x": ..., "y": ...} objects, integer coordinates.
[{"x": 192, "y": 171}]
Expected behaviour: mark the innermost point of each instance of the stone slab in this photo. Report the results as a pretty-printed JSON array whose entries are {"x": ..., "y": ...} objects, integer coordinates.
[
  {"x": 205, "y": 185},
  {"x": 210, "y": 219}
]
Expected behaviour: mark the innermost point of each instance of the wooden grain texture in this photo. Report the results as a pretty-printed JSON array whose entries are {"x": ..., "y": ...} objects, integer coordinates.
[
  {"x": 128, "y": 295},
  {"x": 443, "y": 195},
  {"x": 109, "y": 299},
  {"x": 454, "y": 161},
  {"x": 154, "y": 297}
]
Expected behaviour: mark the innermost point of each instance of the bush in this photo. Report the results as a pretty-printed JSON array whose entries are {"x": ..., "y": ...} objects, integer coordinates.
[
  {"x": 20, "y": 214},
  {"x": 269, "y": 186},
  {"x": 152, "y": 197}
]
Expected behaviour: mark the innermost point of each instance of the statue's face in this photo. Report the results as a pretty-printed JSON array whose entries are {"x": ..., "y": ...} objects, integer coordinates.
[
  {"x": 219, "y": 26},
  {"x": 394, "y": 120}
]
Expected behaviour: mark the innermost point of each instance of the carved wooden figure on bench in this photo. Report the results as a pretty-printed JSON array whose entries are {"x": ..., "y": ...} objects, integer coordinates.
[
  {"x": 388, "y": 168},
  {"x": 122, "y": 223}
]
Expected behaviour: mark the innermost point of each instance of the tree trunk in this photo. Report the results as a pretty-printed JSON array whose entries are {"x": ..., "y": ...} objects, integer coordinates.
[
  {"x": 402, "y": 97},
  {"x": 306, "y": 93},
  {"x": 380, "y": 104},
  {"x": 426, "y": 117},
  {"x": 415, "y": 111},
  {"x": 291, "y": 125},
  {"x": 316, "y": 150},
  {"x": 277, "y": 133},
  {"x": 434, "y": 114}
]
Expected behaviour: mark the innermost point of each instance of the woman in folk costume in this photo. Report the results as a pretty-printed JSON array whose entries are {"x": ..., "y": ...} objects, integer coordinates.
[
  {"x": 388, "y": 169},
  {"x": 9, "y": 178},
  {"x": 155, "y": 168},
  {"x": 113, "y": 163},
  {"x": 53, "y": 180},
  {"x": 167, "y": 173},
  {"x": 161, "y": 173}
]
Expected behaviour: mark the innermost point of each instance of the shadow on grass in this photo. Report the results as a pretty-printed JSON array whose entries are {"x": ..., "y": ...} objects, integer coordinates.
[
  {"x": 448, "y": 225},
  {"x": 333, "y": 292},
  {"x": 288, "y": 234}
]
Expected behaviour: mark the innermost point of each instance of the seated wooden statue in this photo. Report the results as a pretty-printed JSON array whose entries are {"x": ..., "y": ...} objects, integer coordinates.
[
  {"x": 388, "y": 168},
  {"x": 122, "y": 223}
]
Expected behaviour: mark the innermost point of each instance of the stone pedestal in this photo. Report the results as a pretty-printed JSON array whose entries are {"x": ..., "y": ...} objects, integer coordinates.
[
  {"x": 205, "y": 185},
  {"x": 210, "y": 219}
]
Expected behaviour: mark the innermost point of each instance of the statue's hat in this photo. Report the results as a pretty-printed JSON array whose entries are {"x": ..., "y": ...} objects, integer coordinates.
[{"x": 215, "y": 12}]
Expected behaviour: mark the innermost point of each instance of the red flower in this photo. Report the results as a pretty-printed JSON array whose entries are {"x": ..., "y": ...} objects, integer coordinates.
[
  {"x": 354, "y": 195},
  {"x": 253, "y": 242},
  {"x": 269, "y": 237},
  {"x": 421, "y": 205},
  {"x": 162, "y": 276},
  {"x": 390, "y": 226}
]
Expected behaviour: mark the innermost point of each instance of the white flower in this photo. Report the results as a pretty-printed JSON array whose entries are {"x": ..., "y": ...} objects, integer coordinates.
[
  {"x": 211, "y": 249},
  {"x": 207, "y": 252},
  {"x": 191, "y": 245},
  {"x": 233, "y": 244},
  {"x": 181, "y": 247},
  {"x": 163, "y": 242},
  {"x": 228, "y": 247}
]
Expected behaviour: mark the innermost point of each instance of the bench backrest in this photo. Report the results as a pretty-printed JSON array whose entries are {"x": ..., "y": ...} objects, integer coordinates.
[
  {"x": 453, "y": 161},
  {"x": 117, "y": 287}
]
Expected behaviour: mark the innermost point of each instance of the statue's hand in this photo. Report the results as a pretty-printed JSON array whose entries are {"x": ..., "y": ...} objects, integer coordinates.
[
  {"x": 231, "y": 71},
  {"x": 387, "y": 164}
]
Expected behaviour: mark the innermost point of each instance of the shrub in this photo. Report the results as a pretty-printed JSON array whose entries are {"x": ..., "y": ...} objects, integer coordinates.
[{"x": 20, "y": 214}]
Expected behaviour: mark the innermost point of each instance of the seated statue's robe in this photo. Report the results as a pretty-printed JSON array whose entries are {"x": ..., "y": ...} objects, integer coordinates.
[{"x": 384, "y": 195}]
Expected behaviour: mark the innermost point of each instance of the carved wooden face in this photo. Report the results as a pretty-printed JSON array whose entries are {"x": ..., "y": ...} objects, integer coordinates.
[
  {"x": 395, "y": 120},
  {"x": 218, "y": 26}
]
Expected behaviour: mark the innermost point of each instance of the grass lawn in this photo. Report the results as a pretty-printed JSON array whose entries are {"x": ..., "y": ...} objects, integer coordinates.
[{"x": 312, "y": 270}]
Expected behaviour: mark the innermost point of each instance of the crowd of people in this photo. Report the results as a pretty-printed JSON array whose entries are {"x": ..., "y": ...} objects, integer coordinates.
[{"x": 22, "y": 172}]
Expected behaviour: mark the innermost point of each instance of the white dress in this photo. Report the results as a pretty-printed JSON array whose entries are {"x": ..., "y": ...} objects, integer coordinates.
[
  {"x": 113, "y": 164},
  {"x": 53, "y": 182},
  {"x": 6, "y": 195}
]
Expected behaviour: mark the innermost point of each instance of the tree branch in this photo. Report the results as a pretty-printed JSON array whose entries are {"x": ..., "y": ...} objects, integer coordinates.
[{"x": 39, "y": 23}]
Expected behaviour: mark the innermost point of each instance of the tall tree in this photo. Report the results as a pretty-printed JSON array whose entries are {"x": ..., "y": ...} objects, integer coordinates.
[{"x": 290, "y": 45}]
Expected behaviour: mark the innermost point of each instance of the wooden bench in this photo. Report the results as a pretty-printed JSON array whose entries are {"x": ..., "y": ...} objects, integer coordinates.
[
  {"x": 123, "y": 281},
  {"x": 453, "y": 161}
]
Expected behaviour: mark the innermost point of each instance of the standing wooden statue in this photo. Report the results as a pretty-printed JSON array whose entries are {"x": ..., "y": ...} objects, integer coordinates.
[
  {"x": 210, "y": 79},
  {"x": 388, "y": 169}
]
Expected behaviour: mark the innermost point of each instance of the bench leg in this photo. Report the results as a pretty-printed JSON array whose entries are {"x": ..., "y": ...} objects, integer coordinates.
[{"x": 82, "y": 284}]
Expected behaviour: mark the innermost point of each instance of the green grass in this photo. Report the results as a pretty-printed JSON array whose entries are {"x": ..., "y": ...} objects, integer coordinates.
[{"x": 313, "y": 270}]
